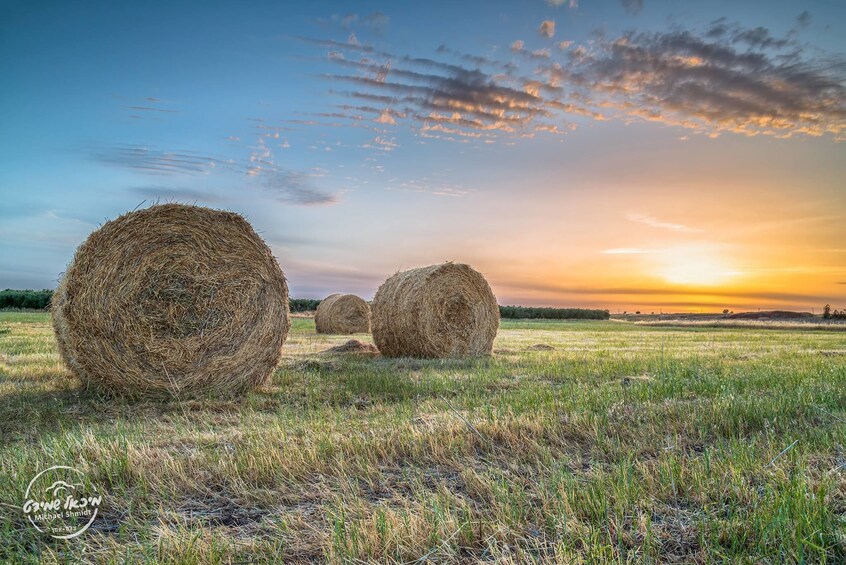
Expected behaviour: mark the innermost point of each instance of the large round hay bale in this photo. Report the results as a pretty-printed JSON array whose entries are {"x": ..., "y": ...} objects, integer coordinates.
[
  {"x": 172, "y": 301},
  {"x": 443, "y": 310},
  {"x": 342, "y": 314}
]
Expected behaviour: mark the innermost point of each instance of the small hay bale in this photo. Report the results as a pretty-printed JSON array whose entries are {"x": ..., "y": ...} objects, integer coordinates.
[
  {"x": 445, "y": 310},
  {"x": 342, "y": 314},
  {"x": 172, "y": 301}
]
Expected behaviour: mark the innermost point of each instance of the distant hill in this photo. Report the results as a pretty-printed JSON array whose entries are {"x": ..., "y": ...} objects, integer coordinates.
[{"x": 770, "y": 315}]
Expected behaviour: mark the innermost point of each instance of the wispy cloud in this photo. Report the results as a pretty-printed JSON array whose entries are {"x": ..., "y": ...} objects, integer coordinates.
[
  {"x": 295, "y": 187},
  {"x": 658, "y": 291},
  {"x": 632, "y": 6},
  {"x": 377, "y": 22},
  {"x": 629, "y": 251},
  {"x": 656, "y": 223},
  {"x": 149, "y": 105},
  {"x": 284, "y": 185},
  {"x": 427, "y": 185},
  {"x": 572, "y": 4},
  {"x": 151, "y": 109},
  {"x": 154, "y": 161},
  {"x": 436, "y": 93}
]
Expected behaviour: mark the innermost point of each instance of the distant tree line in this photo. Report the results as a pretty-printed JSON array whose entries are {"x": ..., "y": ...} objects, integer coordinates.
[
  {"x": 829, "y": 314},
  {"x": 546, "y": 313},
  {"x": 40, "y": 300},
  {"x": 25, "y": 299},
  {"x": 303, "y": 304}
]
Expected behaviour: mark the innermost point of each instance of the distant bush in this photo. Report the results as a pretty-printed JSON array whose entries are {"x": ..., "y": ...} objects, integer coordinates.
[
  {"x": 25, "y": 299},
  {"x": 829, "y": 314},
  {"x": 303, "y": 304},
  {"x": 553, "y": 313}
]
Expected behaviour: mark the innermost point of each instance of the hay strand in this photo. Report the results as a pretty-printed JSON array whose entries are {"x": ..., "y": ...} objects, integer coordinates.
[
  {"x": 445, "y": 310},
  {"x": 172, "y": 301}
]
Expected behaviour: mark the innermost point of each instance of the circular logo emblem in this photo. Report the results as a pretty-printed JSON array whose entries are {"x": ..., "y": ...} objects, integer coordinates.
[{"x": 60, "y": 502}]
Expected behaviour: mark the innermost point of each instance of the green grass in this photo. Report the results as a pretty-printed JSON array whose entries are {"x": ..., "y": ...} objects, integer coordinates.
[{"x": 623, "y": 444}]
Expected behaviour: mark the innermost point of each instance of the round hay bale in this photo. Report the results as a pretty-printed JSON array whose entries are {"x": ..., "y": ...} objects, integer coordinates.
[
  {"x": 342, "y": 314},
  {"x": 172, "y": 301},
  {"x": 443, "y": 310}
]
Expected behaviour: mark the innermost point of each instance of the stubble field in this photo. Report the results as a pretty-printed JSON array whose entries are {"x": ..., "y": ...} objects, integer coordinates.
[{"x": 592, "y": 442}]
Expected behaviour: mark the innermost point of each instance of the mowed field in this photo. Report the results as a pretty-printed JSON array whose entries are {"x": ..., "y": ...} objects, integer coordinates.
[{"x": 593, "y": 442}]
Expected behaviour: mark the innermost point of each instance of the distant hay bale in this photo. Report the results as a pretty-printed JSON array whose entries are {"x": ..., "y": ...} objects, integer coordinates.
[
  {"x": 445, "y": 310},
  {"x": 172, "y": 301},
  {"x": 342, "y": 314}
]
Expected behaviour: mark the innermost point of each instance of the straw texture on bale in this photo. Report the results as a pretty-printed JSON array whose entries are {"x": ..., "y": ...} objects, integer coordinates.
[
  {"x": 172, "y": 301},
  {"x": 445, "y": 310},
  {"x": 342, "y": 314}
]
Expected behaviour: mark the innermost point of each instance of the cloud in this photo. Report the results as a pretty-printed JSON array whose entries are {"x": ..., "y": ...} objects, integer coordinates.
[
  {"x": 434, "y": 91},
  {"x": 153, "y": 161},
  {"x": 151, "y": 109},
  {"x": 658, "y": 291},
  {"x": 295, "y": 187},
  {"x": 629, "y": 251},
  {"x": 169, "y": 194},
  {"x": 803, "y": 20},
  {"x": 344, "y": 20},
  {"x": 573, "y": 4},
  {"x": 377, "y": 22},
  {"x": 149, "y": 105},
  {"x": 655, "y": 223},
  {"x": 710, "y": 83},
  {"x": 724, "y": 79},
  {"x": 547, "y": 28},
  {"x": 427, "y": 185},
  {"x": 477, "y": 60},
  {"x": 385, "y": 117},
  {"x": 632, "y": 6}
]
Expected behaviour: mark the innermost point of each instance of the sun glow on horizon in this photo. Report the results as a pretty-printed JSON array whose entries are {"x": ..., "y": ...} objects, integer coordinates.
[{"x": 692, "y": 266}]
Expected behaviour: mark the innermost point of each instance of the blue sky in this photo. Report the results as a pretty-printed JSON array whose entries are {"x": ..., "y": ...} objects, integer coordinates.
[{"x": 613, "y": 154}]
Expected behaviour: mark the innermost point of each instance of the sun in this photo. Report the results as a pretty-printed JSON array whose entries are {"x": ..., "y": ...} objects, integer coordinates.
[{"x": 696, "y": 267}]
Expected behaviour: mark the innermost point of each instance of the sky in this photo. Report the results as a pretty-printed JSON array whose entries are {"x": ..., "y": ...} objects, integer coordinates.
[{"x": 621, "y": 154}]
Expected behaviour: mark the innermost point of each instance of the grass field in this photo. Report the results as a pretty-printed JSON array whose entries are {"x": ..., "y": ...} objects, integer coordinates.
[{"x": 625, "y": 443}]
